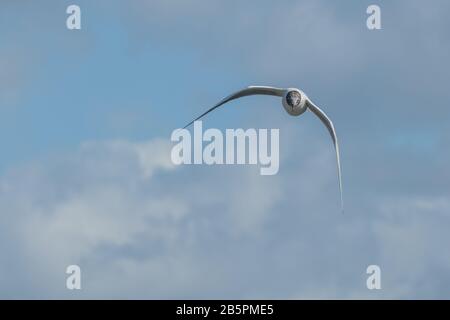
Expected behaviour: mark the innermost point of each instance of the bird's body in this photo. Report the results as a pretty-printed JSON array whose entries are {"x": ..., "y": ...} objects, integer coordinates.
[{"x": 295, "y": 102}]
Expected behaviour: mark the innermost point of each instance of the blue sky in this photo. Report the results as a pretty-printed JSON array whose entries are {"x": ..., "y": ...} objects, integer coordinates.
[{"x": 85, "y": 124}]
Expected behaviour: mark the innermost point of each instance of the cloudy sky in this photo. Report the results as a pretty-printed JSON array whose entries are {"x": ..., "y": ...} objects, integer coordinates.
[{"x": 85, "y": 171}]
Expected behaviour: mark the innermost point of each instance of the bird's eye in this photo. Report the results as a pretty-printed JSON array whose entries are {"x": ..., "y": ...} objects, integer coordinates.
[{"x": 293, "y": 98}]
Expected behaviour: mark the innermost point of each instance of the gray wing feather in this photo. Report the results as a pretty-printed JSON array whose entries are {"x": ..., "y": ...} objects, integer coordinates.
[
  {"x": 252, "y": 90},
  {"x": 327, "y": 122}
]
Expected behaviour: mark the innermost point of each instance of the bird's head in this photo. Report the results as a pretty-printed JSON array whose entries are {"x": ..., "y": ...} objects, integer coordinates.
[{"x": 294, "y": 102}]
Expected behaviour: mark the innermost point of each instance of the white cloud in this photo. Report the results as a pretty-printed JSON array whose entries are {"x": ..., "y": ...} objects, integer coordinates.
[
  {"x": 411, "y": 232},
  {"x": 141, "y": 228},
  {"x": 109, "y": 196}
]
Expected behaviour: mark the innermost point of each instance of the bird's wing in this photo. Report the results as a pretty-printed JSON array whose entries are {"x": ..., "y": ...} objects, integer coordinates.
[
  {"x": 252, "y": 90},
  {"x": 327, "y": 122}
]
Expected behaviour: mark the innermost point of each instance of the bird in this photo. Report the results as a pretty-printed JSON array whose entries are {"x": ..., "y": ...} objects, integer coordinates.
[{"x": 295, "y": 102}]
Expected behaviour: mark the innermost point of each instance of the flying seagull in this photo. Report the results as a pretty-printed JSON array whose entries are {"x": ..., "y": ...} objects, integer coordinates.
[{"x": 295, "y": 102}]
